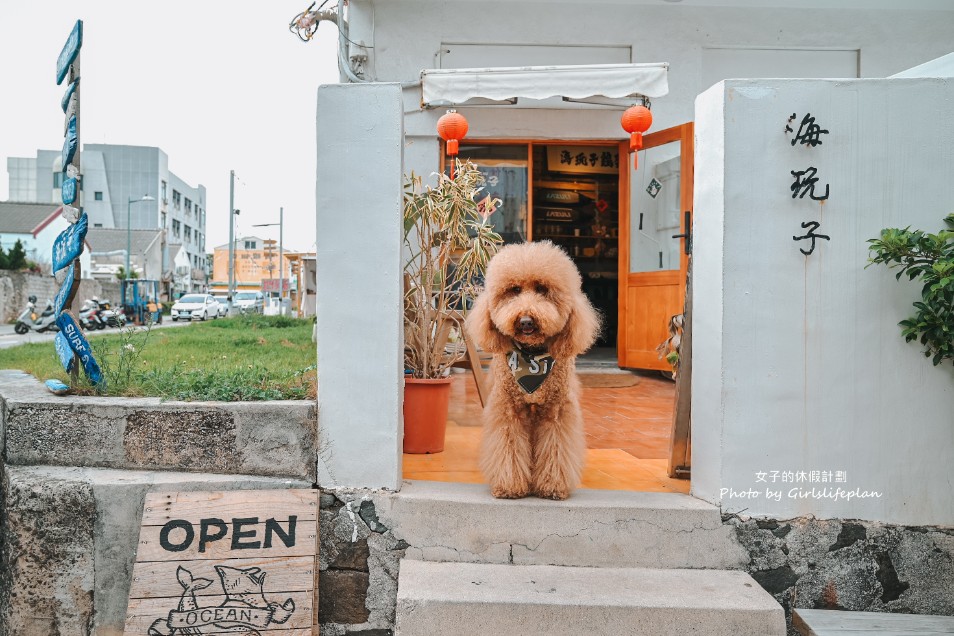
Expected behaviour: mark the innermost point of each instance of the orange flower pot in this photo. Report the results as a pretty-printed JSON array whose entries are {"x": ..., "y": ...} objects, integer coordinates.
[{"x": 425, "y": 414}]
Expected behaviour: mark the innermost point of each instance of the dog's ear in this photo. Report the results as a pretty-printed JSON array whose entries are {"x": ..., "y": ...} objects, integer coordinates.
[
  {"x": 581, "y": 329},
  {"x": 480, "y": 327}
]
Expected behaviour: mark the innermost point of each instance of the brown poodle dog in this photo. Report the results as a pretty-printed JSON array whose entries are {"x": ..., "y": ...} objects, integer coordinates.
[{"x": 534, "y": 318}]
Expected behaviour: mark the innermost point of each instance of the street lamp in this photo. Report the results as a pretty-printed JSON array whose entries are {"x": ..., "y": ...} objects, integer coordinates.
[
  {"x": 145, "y": 197},
  {"x": 281, "y": 255}
]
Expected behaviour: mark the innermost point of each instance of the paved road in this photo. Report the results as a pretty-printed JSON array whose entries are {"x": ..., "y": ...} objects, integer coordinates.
[{"x": 9, "y": 338}]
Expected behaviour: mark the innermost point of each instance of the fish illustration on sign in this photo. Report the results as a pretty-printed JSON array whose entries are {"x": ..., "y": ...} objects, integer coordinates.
[{"x": 244, "y": 610}]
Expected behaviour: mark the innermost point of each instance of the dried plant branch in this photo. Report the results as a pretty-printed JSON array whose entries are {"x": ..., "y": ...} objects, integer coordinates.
[{"x": 449, "y": 244}]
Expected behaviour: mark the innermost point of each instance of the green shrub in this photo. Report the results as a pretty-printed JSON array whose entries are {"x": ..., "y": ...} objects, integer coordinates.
[{"x": 929, "y": 258}]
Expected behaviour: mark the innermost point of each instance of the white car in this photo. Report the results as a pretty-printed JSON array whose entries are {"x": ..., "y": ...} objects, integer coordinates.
[
  {"x": 195, "y": 306},
  {"x": 223, "y": 304}
]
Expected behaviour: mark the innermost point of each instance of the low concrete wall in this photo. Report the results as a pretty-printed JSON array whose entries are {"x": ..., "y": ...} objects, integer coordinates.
[
  {"x": 271, "y": 439},
  {"x": 16, "y": 287}
]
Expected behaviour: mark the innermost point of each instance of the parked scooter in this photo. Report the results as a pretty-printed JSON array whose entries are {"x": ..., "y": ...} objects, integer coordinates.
[
  {"x": 90, "y": 316},
  {"x": 112, "y": 317},
  {"x": 28, "y": 320}
]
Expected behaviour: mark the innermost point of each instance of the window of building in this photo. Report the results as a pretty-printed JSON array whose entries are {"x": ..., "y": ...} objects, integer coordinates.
[
  {"x": 98, "y": 195},
  {"x": 97, "y": 225},
  {"x": 176, "y": 199},
  {"x": 188, "y": 233},
  {"x": 176, "y": 228},
  {"x": 250, "y": 245},
  {"x": 188, "y": 206},
  {"x": 57, "y": 179},
  {"x": 163, "y": 191}
]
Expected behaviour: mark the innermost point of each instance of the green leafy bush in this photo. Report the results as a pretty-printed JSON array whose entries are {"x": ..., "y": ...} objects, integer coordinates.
[{"x": 929, "y": 258}]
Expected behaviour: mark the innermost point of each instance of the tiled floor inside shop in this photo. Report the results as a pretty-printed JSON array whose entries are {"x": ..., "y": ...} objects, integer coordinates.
[{"x": 627, "y": 435}]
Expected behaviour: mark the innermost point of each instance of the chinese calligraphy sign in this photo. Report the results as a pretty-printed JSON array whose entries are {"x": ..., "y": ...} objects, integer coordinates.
[{"x": 806, "y": 181}]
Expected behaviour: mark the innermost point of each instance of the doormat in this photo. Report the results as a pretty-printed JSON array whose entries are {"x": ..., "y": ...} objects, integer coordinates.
[{"x": 608, "y": 380}]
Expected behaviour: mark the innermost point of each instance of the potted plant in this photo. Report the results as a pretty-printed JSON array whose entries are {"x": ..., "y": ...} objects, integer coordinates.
[{"x": 448, "y": 243}]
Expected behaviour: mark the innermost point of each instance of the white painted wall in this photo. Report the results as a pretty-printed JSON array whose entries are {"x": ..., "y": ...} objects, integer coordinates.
[
  {"x": 359, "y": 274},
  {"x": 407, "y": 36},
  {"x": 798, "y": 362}
]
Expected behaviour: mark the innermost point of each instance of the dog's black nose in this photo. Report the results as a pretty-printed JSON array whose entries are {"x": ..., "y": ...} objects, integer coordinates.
[{"x": 526, "y": 322}]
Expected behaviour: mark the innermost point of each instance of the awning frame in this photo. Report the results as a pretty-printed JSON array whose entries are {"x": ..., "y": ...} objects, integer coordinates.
[{"x": 612, "y": 85}]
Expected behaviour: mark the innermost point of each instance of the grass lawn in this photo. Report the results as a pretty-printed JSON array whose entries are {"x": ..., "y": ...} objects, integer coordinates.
[{"x": 241, "y": 358}]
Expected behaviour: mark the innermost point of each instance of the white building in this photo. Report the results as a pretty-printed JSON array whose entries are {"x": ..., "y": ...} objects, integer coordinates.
[
  {"x": 114, "y": 175},
  {"x": 743, "y": 416},
  {"x": 36, "y": 226}
]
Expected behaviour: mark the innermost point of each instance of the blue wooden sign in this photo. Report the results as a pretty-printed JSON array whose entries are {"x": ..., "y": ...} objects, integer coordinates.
[
  {"x": 65, "y": 102},
  {"x": 69, "y": 52},
  {"x": 69, "y": 144},
  {"x": 80, "y": 346},
  {"x": 68, "y": 190},
  {"x": 57, "y": 387},
  {"x": 62, "y": 296},
  {"x": 63, "y": 351},
  {"x": 69, "y": 244}
]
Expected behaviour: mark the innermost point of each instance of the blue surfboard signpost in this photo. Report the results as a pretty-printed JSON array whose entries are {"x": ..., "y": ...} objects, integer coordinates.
[{"x": 72, "y": 348}]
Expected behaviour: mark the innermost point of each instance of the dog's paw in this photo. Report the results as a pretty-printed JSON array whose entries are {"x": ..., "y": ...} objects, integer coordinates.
[
  {"x": 557, "y": 494},
  {"x": 501, "y": 492}
]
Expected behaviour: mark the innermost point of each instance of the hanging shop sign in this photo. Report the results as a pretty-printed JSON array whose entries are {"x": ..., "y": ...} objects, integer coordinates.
[
  {"x": 221, "y": 562},
  {"x": 583, "y": 159}
]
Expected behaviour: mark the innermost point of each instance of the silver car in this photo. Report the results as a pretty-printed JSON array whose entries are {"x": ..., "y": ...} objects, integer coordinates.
[
  {"x": 250, "y": 302},
  {"x": 223, "y": 304}
]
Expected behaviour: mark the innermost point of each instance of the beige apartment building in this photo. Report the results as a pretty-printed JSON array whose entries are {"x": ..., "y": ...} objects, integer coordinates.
[{"x": 257, "y": 266}]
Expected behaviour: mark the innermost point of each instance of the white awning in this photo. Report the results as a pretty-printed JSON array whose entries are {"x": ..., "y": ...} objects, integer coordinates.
[{"x": 604, "y": 82}]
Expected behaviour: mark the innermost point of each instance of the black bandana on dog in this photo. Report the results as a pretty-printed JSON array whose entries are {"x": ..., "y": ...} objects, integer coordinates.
[{"x": 530, "y": 369}]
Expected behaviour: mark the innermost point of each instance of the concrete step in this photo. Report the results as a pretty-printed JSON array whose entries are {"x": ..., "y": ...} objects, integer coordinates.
[
  {"x": 469, "y": 598},
  {"x": 594, "y": 528}
]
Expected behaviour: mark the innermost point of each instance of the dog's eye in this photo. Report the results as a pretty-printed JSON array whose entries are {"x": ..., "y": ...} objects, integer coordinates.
[
  {"x": 543, "y": 290},
  {"x": 515, "y": 290}
]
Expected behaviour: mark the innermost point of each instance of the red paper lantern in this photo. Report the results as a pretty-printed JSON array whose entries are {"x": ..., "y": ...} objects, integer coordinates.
[
  {"x": 636, "y": 120},
  {"x": 452, "y": 127}
]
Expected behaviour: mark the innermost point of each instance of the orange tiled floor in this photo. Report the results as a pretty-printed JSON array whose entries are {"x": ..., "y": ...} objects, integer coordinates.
[{"x": 627, "y": 435}]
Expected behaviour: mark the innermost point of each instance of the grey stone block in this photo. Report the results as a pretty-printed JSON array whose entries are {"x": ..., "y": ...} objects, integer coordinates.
[
  {"x": 540, "y": 599},
  {"x": 47, "y": 546},
  {"x": 342, "y": 597},
  {"x": 273, "y": 439}
]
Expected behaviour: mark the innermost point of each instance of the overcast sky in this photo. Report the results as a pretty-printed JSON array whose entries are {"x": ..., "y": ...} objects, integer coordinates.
[{"x": 217, "y": 85}]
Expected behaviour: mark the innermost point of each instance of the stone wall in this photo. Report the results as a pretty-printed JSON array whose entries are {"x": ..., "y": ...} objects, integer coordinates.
[
  {"x": 850, "y": 565},
  {"x": 16, "y": 287},
  {"x": 358, "y": 565}
]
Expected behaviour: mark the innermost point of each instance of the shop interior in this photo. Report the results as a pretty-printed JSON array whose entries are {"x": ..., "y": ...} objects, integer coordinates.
[{"x": 571, "y": 193}]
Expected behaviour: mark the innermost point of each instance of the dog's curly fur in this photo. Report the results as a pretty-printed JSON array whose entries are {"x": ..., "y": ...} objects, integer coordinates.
[{"x": 533, "y": 443}]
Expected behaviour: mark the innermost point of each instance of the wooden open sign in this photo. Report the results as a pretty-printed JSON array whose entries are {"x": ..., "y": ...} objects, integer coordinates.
[{"x": 214, "y": 562}]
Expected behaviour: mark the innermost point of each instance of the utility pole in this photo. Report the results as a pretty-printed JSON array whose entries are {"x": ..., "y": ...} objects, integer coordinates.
[
  {"x": 281, "y": 262},
  {"x": 231, "y": 238}
]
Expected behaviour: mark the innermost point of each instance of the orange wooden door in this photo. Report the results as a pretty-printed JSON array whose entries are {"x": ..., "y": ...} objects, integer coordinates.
[{"x": 655, "y": 221}]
